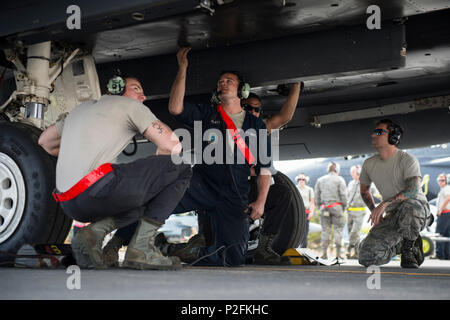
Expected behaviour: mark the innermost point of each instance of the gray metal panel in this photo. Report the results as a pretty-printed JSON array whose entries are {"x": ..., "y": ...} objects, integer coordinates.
[
  {"x": 44, "y": 13},
  {"x": 340, "y": 50}
]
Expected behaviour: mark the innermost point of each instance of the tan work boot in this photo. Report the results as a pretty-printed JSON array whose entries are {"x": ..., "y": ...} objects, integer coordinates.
[
  {"x": 111, "y": 251},
  {"x": 87, "y": 243},
  {"x": 142, "y": 252},
  {"x": 412, "y": 253}
]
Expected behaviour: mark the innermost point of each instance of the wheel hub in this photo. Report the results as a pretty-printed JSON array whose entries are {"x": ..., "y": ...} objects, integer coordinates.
[{"x": 12, "y": 196}]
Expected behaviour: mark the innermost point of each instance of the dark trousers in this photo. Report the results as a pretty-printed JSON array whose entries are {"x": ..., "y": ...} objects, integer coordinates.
[
  {"x": 277, "y": 205},
  {"x": 149, "y": 187},
  {"x": 304, "y": 242},
  {"x": 443, "y": 227},
  {"x": 229, "y": 224}
]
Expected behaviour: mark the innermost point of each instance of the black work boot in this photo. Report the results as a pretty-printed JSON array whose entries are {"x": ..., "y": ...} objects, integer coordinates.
[
  {"x": 188, "y": 252},
  {"x": 418, "y": 250},
  {"x": 264, "y": 254},
  {"x": 408, "y": 259}
]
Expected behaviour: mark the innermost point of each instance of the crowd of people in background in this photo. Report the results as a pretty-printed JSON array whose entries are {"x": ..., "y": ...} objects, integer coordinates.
[{"x": 339, "y": 210}]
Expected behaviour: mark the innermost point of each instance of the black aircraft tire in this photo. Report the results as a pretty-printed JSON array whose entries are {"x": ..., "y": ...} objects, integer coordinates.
[
  {"x": 294, "y": 226},
  {"x": 28, "y": 212}
]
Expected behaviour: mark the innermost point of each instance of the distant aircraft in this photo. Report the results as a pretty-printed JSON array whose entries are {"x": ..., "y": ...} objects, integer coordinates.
[{"x": 433, "y": 161}]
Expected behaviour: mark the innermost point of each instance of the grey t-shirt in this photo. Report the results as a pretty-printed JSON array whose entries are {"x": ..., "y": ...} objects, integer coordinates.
[
  {"x": 307, "y": 194},
  {"x": 96, "y": 132},
  {"x": 389, "y": 175},
  {"x": 445, "y": 192}
]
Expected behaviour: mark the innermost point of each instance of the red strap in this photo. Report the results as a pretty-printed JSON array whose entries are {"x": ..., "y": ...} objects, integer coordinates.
[
  {"x": 445, "y": 211},
  {"x": 334, "y": 204},
  {"x": 237, "y": 137},
  {"x": 87, "y": 181}
]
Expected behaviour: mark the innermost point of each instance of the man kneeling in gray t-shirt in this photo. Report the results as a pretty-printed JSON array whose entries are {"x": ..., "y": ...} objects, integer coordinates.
[
  {"x": 91, "y": 187},
  {"x": 396, "y": 174}
]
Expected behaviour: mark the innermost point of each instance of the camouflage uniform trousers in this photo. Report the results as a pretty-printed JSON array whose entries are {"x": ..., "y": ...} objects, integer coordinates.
[
  {"x": 384, "y": 241},
  {"x": 355, "y": 220},
  {"x": 332, "y": 217}
]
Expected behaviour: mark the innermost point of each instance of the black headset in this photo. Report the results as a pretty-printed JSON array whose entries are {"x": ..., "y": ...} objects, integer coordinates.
[
  {"x": 395, "y": 134},
  {"x": 243, "y": 88},
  {"x": 116, "y": 85}
]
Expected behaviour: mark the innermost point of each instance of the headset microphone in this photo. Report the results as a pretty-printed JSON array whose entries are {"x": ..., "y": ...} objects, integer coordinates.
[{"x": 215, "y": 100}]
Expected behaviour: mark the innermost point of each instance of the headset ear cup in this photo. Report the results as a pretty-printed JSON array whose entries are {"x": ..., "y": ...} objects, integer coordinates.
[
  {"x": 390, "y": 138},
  {"x": 244, "y": 91},
  {"x": 394, "y": 136},
  {"x": 116, "y": 85}
]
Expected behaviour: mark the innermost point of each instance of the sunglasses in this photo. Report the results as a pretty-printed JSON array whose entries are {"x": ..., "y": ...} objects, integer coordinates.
[
  {"x": 379, "y": 132},
  {"x": 302, "y": 179},
  {"x": 251, "y": 108},
  {"x": 441, "y": 180}
]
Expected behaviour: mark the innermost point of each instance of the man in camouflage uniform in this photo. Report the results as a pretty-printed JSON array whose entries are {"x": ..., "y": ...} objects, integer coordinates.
[
  {"x": 356, "y": 212},
  {"x": 307, "y": 194},
  {"x": 396, "y": 174},
  {"x": 443, "y": 220},
  {"x": 331, "y": 199}
]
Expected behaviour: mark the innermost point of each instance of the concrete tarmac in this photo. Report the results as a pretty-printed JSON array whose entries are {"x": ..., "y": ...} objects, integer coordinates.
[{"x": 348, "y": 281}]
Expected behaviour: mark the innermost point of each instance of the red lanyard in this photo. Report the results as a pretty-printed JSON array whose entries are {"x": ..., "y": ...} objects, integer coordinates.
[{"x": 242, "y": 146}]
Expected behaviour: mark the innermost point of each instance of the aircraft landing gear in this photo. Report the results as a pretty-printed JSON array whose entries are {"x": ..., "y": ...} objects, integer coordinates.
[{"x": 28, "y": 212}]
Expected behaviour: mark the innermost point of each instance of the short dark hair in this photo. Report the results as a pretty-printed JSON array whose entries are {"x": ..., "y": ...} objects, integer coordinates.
[
  {"x": 390, "y": 125},
  {"x": 236, "y": 73},
  {"x": 333, "y": 166},
  {"x": 130, "y": 76},
  {"x": 254, "y": 96}
]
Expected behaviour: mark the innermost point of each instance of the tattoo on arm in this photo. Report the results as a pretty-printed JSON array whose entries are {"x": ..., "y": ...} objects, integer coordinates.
[
  {"x": 412, "y": 187},
  {"x": 368, "y": 200},
  {"x": 411, "y": 190},
  {"x": 158, "y": 127}
]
